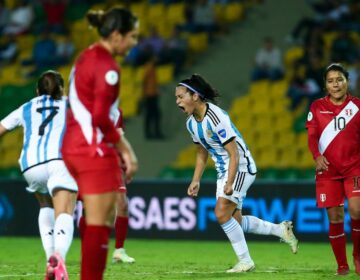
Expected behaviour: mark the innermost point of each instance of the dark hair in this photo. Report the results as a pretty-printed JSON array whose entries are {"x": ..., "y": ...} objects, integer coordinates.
[
  {"x": 117, "y": 18},
  {"x": 197, "y": 84},
  {"x": 51, "y": 83},
  {"x": 336, "y": 67}
]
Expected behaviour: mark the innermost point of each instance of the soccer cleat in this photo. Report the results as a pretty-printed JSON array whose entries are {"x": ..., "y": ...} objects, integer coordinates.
[
  {"x": 342, "y": 270},
  {"x": 357, "y": 264},
  {"x": 120, "y": 255},
  {"x": 241, "y": 267},
  {"x": 289, "y": 237},
  {"x": 56, "y": 269}
]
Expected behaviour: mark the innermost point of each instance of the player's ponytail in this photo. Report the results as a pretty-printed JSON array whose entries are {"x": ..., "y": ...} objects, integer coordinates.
[
  {"x": 197, "y": 84},
  {"x": 115, "y": 19},
  {"x": 51, "y": 83}
]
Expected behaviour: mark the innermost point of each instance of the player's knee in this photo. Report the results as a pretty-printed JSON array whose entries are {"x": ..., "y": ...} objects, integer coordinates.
[{"x": 222, "y": 216}]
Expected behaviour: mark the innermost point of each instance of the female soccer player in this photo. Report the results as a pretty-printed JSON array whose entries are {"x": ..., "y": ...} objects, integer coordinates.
[
  {"x": 43, "y": 121},
  {"x": 213, "y": 131},
  {"x": 333, "y": 126},
  {"x": 91, "y": 139}
]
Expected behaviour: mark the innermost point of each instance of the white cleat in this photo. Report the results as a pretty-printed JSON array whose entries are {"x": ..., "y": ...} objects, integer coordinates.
[
  {"x": 120, "y": 255},
  {"x": 241, "y": 267},
  {"x": 289, "y": 237}
]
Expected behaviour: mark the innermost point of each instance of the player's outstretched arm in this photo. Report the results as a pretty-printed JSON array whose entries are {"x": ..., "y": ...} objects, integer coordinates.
[{"x": 201, "y": 159}]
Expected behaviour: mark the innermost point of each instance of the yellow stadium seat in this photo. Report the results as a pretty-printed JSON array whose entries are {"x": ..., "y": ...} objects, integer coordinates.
[
  {"x": 267, "y": 158},
  {"x": 165, "y": 73},
  {"x": 25, "y": 42},
  {"x": 278, "y": 89},
  {"x": 198, "y": 42},
  {"x": 175, "y": 13},
  {"x": 155, "y": 13},
  {"x": 292, "y": 55},
  {"x": 233, "y": 12}
]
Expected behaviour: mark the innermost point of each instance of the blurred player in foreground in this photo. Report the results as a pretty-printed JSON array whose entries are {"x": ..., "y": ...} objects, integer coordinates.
[
  {"x": 43, "y": 121},
  {"x": 91, "y": 140},
  {"x": 212, "y": 130},
  {"x": 333, "y": 126}
]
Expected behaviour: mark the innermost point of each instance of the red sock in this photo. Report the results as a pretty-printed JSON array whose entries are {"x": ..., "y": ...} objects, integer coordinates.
[
  {"x": 82, "y": 227},
  {"x": 94, "y": 252},
  {"x": 338, "y": 243},
  {"x": 355, "y": 234},
  {"x": 121, "y": 229}
]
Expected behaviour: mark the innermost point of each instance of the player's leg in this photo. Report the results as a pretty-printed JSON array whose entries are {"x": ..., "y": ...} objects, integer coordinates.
[
  {"x": 330, "y": 195},
  {"x": 121, "y": 228},
  {"x": 99, "y": 209},
  {"x": 252, "y": 224},
  {"x": 225, "y": 207},
  {"x": 46, "y": 222},
  {"x": 352, "y": 187}
]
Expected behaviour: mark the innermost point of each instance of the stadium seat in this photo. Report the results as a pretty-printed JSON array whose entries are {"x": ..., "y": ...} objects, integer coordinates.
[
  {"x": 292, "y": 55},
  {"x": 165, "y": 73},
  {"x": 233, "y": 12},
  {"x": 198, "y": 42},
  {"x": 175, "y": 14}
]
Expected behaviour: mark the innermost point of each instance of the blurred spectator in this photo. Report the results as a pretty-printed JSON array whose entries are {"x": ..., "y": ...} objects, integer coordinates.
[
  {"x": 268, "y": 62},
  {"x": 4, "y": 15},
  {"x": 344, "y": 48},
  {"x": 8, "y": 50},
  {"x": 20, "y": 19},
  {"x": 154, "y": 41},
  {"x": 175, "y": 50},
  {"x": 354, "y": 77},
  {"x": 151, "y": 104},
  {"x": 302, "y": 87},
  {"x": 55, "y": 12},
  {"x": 315, "y": 70},
  {"x": 329, "y": 14},
  {"x": 65, "y": 49},
  {"x": 45, "y": 55}
]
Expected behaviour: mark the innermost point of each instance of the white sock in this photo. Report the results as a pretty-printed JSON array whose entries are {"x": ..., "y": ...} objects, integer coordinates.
[
  {"x": 63, "y": 233},
  {"x": 251, "y": 224},
  {"x": 236, "y": 236},
  {"x": 46, "y": 221}
]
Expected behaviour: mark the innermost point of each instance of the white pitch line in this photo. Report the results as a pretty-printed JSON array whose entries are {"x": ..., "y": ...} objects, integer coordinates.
[{"x": 268, "y": 270}]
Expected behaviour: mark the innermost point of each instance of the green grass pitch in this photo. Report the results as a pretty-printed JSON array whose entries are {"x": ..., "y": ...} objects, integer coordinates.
[{"x": 23, "y": 259}]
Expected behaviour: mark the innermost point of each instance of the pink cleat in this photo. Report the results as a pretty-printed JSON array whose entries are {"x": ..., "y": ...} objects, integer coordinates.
[{"x": 56, "y": 269}]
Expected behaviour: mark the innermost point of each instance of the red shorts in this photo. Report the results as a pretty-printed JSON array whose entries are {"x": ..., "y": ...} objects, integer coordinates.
[
  {"x": 331, "y": 193},
  {"x": 94, "y": 175}
]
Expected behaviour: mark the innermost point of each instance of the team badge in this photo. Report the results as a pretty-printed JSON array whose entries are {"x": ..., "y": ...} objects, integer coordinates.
[
  {"x": 310, "y": 116},
  {"x": 348, "y": 112},
  {"x": 111, "y": 77},
  {"x": 222, "y": 133},
  {"x": 209, "y": 133},
  {"x": 322, "y": 197}
]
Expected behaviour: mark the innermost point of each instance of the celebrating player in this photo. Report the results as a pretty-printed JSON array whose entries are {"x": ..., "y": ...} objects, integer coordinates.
[
  {"x": 43, "y": 121},
  {"x": 91, "y": 139},
  {"x": 333, "y": 126},
  {"x": 213, "y": 131}
]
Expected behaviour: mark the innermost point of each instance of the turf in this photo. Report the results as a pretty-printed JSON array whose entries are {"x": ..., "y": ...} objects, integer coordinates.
[{"x": 23, "y": 258}]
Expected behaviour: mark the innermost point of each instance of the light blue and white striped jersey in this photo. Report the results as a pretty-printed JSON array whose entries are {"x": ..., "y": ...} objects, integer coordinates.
[
  {"x": 213, "y": 132},
  {"x": 43, "y": 120}
]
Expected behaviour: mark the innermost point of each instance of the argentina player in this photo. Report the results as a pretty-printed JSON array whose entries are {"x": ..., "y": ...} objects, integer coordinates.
[
  {"x": 214, "y": 133},
  {"x": 43, "y": 121}
]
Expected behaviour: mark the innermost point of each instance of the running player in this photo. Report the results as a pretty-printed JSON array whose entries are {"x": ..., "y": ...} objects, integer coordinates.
[
  {"x": 214, "y": 133},
  {"x": 43, "y": 121},
  {"x": 333, "y": 126},
  {"x": 91, "y": 139}
]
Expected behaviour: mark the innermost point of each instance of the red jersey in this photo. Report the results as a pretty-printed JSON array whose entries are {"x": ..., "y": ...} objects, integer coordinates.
[
  {"x": 334, "y": 131},
  {"x": 93, "y": 98}
]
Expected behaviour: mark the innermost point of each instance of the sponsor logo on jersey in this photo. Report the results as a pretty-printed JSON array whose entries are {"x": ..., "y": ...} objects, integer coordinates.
[
  {"x": 348, "y": 112},
  {"x": 310, "y": 116},
  {"x": 111, "y": 77},
  {"x": 326, "y": 112},
  {"x": 222, "y": 133},
  {"x": 322, "y": 197}
]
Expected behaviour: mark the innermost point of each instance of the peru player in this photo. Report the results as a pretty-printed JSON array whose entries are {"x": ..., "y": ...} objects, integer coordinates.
[
  {"x": 91, "y": 139},
  {"x": 333, "y": 125}
]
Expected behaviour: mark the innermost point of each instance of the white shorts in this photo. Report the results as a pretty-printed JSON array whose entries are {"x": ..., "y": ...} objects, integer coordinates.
[
  {"x": 242, "y": 183},
  {"x": 46, "y": 177}
]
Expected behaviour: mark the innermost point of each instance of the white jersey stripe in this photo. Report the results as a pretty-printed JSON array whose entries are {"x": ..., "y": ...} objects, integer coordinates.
[{"x": 329, "y": 133}]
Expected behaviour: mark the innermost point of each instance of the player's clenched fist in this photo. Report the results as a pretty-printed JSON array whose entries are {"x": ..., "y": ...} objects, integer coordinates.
[{"x": 193, "y": 188}]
